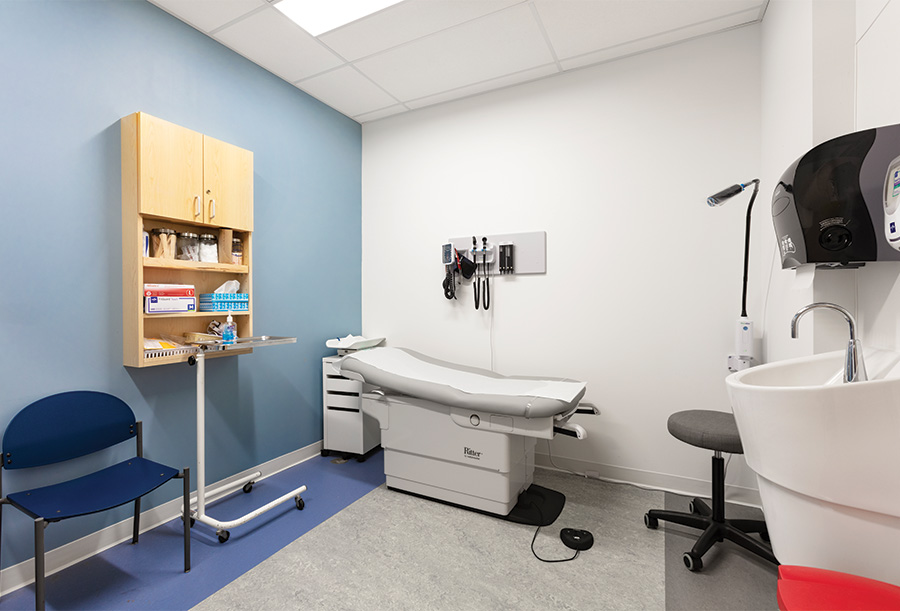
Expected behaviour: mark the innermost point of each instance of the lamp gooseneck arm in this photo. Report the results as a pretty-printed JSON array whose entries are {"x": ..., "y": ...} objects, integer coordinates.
[{"x": 755, "y": 183}]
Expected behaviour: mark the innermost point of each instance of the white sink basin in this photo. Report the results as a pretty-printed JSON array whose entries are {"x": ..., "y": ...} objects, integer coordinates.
[{"x": 827, "y": 457}]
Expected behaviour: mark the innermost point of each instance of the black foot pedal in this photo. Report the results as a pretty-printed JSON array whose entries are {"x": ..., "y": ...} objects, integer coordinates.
[{"x": 579, "y": 540}]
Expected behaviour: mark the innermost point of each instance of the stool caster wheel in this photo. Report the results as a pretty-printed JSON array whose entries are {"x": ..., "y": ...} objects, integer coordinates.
[
  {"x": 223, "y": 535},
  {"x": 299, "y": 502},
  {"x": 692, "y": 561},
  {"x": 651, "y": 522},
  {"x": 248, "y": 487}
]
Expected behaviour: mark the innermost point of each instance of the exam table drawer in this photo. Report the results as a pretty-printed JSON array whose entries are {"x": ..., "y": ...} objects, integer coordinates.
[
  {"x": 342, "y": 384},
  {"x": 345, "y": 427},
  {"x": 343, "y": 402}
]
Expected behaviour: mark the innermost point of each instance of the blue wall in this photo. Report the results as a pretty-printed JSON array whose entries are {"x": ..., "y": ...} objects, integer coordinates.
[{"x": 70, "y": 70}]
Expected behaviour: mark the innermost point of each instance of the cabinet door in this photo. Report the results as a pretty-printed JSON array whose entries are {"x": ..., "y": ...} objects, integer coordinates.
[
  {"x": 170, "y": 170},
  {"x": 228, "y": 184}
]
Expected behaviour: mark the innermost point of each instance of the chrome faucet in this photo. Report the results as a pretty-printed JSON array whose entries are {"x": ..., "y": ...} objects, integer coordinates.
[{"x": 854, "y": 368}]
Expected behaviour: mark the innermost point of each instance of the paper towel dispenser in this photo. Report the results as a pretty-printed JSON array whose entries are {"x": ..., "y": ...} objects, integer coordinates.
[{"x": 836, "y": 205}]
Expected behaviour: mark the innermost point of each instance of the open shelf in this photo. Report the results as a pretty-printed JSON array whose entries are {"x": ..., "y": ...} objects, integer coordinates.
[
  {"x": 194, "y": 314},
  {"x": 227, "y": 268}
]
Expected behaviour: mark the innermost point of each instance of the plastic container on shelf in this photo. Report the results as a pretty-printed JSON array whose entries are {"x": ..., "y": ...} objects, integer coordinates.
[
  {"x": 229, "y": 331},
  {"x": 237, "y": 251}
]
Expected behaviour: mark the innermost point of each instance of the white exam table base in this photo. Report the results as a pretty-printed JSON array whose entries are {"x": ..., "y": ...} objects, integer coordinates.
[
  {"x": 464, "y": 435},
  {"x": 199, "y": 514},
  {"x": 477, "y": 467}
]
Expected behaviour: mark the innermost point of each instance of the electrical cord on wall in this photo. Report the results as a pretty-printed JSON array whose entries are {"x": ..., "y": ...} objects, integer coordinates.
[{"x": 492, "y": 331}]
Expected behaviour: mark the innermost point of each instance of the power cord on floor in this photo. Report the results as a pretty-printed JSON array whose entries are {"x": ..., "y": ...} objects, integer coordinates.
[{"x": 541, "y": 514}]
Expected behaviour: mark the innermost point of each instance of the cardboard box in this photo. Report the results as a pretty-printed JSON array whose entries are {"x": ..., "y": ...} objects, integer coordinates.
[{"x": 169, "y": 305}]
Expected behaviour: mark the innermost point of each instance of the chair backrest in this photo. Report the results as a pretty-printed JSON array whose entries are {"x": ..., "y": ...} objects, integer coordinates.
[{"x": 64, "y": 426}]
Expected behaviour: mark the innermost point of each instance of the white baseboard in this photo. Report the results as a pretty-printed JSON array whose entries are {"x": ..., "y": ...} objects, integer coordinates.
[
  {"x": 677, "y": 484},
  {"x": 22, "y": 574}
]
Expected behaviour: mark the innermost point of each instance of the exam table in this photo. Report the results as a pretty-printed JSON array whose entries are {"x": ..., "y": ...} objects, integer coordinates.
[{"x": 463, "y": 435}]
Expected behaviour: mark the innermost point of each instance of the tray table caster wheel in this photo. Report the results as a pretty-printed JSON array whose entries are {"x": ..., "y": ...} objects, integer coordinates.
[
  {"x": 692, "y": 561},
  {"x": 299, "y": 502},
  {"x": 248, "y": 487},
  {"x": 223, "y": 535},
  {"x": 651, "y": 522},
  {"x": 192, "y": 521}
]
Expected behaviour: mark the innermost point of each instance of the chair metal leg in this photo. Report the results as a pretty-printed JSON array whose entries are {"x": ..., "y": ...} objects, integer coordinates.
[
  {"x": 39, "y": 525},
  {"x": 137, "y": 521},
  {"x": 187, "y": 519}
]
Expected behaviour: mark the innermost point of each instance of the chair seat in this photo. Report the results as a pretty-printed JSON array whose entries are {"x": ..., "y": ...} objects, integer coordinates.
[
  {"x": 809, "y": 589},
  {"x": 707, "y": 429},
  {"x": 101, "y": 490}
]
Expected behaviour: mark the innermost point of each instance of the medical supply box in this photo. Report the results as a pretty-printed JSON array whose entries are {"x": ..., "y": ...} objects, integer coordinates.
[
  {"x": 161, "y": 304},
  {"x": 224, "y": 302}
]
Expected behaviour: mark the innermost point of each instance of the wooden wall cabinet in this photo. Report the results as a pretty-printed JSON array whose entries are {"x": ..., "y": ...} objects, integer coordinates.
[
  {"x": 179, "y": 179},
  {"x": 191, "y": 177}
]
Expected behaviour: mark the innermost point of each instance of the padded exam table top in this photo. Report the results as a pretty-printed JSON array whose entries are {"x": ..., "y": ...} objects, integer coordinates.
[{"x": 413, "y": 374}]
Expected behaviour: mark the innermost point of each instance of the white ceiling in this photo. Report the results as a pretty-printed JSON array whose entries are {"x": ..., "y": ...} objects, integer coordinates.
[{"x": 422, "y": 52}]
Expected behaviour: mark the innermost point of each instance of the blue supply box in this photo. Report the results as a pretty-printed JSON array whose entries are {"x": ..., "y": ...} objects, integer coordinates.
[{"x": 223, "y": 302}]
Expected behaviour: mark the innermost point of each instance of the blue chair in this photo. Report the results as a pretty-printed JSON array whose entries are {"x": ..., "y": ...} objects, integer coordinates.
[{"x": 72, "y": 424}]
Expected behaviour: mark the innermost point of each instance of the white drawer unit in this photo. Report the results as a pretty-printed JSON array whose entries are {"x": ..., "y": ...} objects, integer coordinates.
[{"x": 347, "y": 430}]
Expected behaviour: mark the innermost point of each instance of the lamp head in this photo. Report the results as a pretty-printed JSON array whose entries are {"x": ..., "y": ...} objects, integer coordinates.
[{"x": 725, "y": 194}]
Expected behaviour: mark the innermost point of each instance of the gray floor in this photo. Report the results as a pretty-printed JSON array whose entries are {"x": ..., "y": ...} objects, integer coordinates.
[
  {"x": 732, "y": 578},
  {"x": 395, "y": 551}
]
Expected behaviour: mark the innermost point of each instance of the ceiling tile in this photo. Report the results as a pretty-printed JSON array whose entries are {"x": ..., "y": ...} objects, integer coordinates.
[
  {"x": 347, "y": 91},
  {"x": 381, "y": 114},
  {"x": 503, "y": 81},
  {"x": 505, "y": 42},
  {"x": 405, "y": 22},
  {"x": 276, "y": 43},
  {"x": 579, "y": 27},
  {"x": 661, "y": 40},
  {"x": 207, "y": 15}
]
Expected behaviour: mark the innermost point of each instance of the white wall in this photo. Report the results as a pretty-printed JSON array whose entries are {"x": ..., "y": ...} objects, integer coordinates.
[
  {"x": 643, "y": 281},
  {"x": 876, "y": 104}
]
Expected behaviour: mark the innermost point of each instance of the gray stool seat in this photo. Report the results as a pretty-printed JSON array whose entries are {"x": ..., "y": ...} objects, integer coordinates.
[
  {"x": 716, "y": 431},
  {"x": 707, "y": 429}
]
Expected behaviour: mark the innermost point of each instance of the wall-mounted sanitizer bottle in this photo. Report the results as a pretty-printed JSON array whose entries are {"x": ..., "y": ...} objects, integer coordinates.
[
  {"x": 229, "y": 331},
  {"x": 743, "y": 344}
]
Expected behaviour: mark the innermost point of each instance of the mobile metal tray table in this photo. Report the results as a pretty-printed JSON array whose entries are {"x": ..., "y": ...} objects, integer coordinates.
[{"x": 246, "y": 482}]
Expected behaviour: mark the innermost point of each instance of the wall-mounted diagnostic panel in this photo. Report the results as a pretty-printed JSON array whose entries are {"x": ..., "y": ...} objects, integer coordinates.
[
  {"x": 477, "y": 258},
  {"x": 526, "y": 253}
]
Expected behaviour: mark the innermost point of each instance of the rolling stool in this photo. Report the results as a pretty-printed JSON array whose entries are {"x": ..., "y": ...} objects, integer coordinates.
[{"x": 716, "y": 431}]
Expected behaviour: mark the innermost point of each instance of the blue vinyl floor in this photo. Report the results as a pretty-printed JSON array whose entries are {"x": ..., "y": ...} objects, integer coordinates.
[{"x": 150, "y": 575}]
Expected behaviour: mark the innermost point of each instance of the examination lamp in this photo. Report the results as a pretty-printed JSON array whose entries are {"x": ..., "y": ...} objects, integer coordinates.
[{"x": 744, "y": 336}]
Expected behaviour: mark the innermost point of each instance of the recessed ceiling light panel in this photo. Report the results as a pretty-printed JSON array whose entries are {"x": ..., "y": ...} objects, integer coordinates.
[{"x": 320, "y": 16}]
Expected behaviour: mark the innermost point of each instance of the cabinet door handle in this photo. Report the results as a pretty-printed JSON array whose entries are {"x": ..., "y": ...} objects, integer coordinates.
[
  {"x": 197, "y": 205},
  {"x": 212, "y": 208}
]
